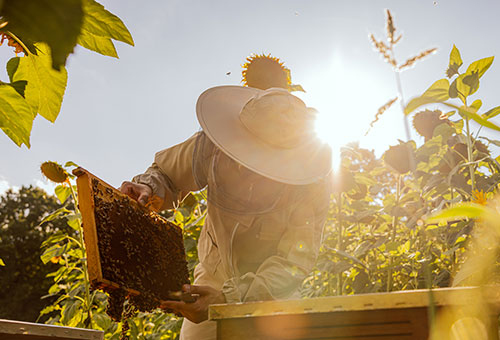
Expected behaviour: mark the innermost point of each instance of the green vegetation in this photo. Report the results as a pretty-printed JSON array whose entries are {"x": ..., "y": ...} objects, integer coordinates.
[
  {"x": 376, "y": 237},
  {"x": 46, "y": 32},
  {"x": 73, "y": 304},
  {"x": 23, "y": 277}
]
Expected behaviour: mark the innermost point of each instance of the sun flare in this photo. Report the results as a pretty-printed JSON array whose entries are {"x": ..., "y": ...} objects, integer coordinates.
[{"x": 347, "y": 99}]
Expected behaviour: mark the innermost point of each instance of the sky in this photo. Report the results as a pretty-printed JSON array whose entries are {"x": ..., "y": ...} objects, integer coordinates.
[{"x": 117, "y": 113}]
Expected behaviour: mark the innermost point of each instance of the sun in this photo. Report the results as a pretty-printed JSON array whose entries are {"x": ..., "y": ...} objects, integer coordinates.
[
  {"x": 347, "y": 100},
  {"x": 264, "y": 71}
]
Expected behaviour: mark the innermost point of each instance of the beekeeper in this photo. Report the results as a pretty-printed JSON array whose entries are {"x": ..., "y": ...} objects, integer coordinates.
[{"x": 267, "y": 180}]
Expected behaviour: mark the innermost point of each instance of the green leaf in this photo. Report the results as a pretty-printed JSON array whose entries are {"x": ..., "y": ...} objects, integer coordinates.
[
  {"x": 12, "y": 66},
  {"x": 438, "y": 90},
  {"x": 458, "y": 125},
  {"x": 455, "y": 62},
  {"x": 46, "y": 86},
  {"x": 97, "y": 44},
  {"x": 101, "y": 320},
  {"x": 476, "y": 105},
  {"x": 492, "y": 113},
  {"x": 61, "y": 211},
  {"x": 103, "y": 23},
  {"x": 55, "y": 22},
  {"x": 19, "y": 86},
  {"x": 54, "y": 239},
  {"x": 466, "y": 84},
  {"x": 436, "y": 93},
  {"x": 470, "y": 114},
  {"x": 74, "y": 222},
  {"x": 462, "y": 210},
  {"x": 48, "y": 309},
  {"x": 62, "y": 192},
  {"x": 69, "y": 310},
  {"x": 54, "y": 251},
  {"x": 99, "y": 27},
  {"x": 16, "y": 119},
  {"x": 134, "y": 331},
  {"x": 364, "y": 179},
  {"x": 453, "y": 92},
  {"x": 342, "y": 253},
  {"x": 491, "y": 141},
  {"x": 445, "y": 131},
  {"x": 296, "y": 87},
  {"x": 479, "y": 67},
  {"x": 71, "y": 163}
]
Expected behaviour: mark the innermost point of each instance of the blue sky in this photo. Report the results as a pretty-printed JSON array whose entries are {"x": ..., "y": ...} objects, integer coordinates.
[{"x": 117, "y": 113}]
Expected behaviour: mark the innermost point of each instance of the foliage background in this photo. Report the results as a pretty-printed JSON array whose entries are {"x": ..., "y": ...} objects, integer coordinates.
[{"x": 24, "y": 279}]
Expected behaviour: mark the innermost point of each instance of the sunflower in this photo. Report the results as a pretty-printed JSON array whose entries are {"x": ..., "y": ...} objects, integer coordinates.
[
  {"x": 54, "y": 172},
  {"x": 425, "y": 122},
  {"x": 11, "y": 42},
  {"x": 400, "y": 157},
  {"x": 265, "y": 71},
  {"x": 479, "y": 197}
]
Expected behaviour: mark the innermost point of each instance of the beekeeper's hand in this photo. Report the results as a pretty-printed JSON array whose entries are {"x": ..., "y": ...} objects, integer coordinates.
[
  {"x": 196, "y": 311},
  {"x": 137, "y": 191}
]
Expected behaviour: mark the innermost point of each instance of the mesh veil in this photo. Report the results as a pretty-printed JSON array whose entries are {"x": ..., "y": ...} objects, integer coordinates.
[{"x": 254, "y": 195}]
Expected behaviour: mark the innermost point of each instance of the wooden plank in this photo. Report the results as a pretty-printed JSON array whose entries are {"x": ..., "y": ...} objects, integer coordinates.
[
  {"x": 18, "y": 330},
  {"x": 86, "y": 206},
  {"x": 385, "y": 324},
  {"x": 393, "y": 300}
]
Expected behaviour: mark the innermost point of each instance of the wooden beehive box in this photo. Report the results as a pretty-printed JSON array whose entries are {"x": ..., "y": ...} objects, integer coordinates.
[
  {"x": 382, "y": 316},
  {"x": 128, "y": 246},
  {"x": 20, "y": 330}
]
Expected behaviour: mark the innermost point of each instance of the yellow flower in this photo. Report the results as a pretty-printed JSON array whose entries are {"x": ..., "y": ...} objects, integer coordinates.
[
  {"x": 479, "y": 197},
  {"x": 55, "y": 259},
  {"x": 54, "y": 172},
  {"x": 264, "y": 71}
]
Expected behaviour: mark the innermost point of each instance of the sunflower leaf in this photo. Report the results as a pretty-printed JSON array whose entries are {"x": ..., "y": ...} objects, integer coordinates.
[
  {"x": 45, "y": 89},
  {"x": 492, "y": 113},
  {"x": 55, "y": 22},
  {"x": 62, "y": 192},
  {"x": 97, "y": 44},
  {"x": 16, "y": 119},
  {"x": 471, "y": 114},
  {"x": 99, "y": 27},
  {"x": 436, "y": 93},
  {"x": 455, "y": 62},
  {"x": 480, "y": 66},
  {"x": 463, "y": 210}
]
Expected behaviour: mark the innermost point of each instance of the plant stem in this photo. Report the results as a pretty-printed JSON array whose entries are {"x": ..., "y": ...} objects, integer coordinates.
[
  {"x": 402, "y": 103},
  {"x": 406, "y": 124},
  {"x": 84, "y": 262},
  {"x": 340, "y": 242},
  {"x": 19, "y": 41},
  {"x": 469, "y": 154},
  {"x": 393, "y": 234},
  {"x": 399, "y": 87}
]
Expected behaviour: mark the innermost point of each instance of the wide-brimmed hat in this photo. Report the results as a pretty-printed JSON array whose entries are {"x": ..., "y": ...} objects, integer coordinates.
[{"x": 271, "y": 132}]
